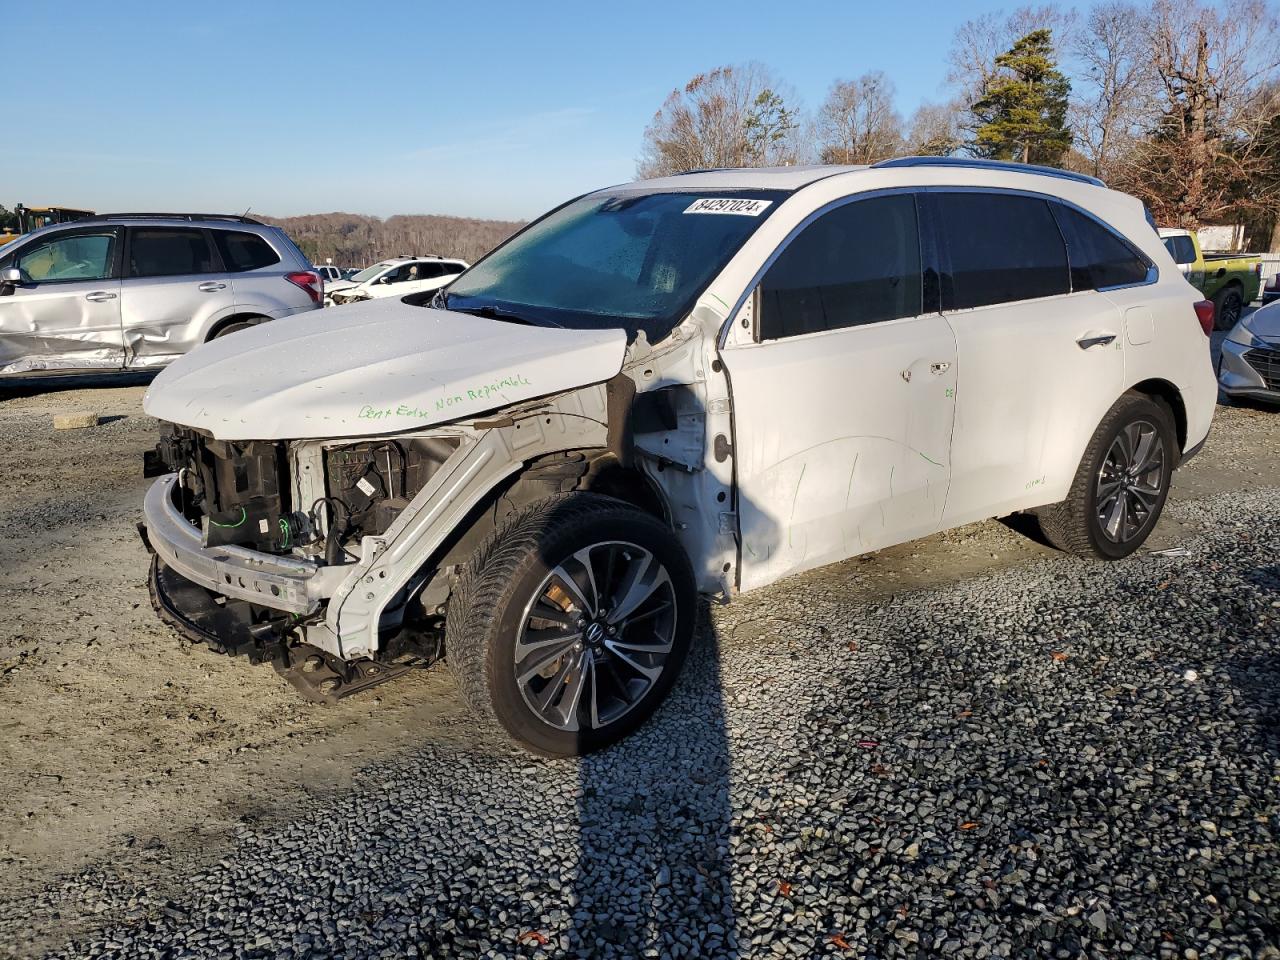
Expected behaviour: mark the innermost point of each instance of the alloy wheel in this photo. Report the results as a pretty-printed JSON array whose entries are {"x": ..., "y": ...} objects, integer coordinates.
[
  {"x": 1131, "y": 482},
  {"x": 596, "y": 636}
]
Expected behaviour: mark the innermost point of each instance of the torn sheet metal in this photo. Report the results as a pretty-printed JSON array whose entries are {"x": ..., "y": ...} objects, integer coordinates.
[{"x": 56, "y": 326}]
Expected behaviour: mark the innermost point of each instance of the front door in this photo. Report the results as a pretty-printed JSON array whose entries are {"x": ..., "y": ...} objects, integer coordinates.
[
  {"x": 64, "y": 314},
  {"x": 843, "y": 406}
]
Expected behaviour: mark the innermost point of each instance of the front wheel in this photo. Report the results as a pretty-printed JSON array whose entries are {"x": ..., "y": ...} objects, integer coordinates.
[
  {"x": 570, "y": 625},
  {"x": 1121, "y": 484}
]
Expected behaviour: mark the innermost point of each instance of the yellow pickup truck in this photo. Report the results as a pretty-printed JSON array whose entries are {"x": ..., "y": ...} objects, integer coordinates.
[{"x": 1228, "y": 280}]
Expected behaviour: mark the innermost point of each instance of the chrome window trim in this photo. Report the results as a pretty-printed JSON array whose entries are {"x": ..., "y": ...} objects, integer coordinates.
[
  {"x": 926, "y": 245},
  {"x": 1153, "y": 273}
]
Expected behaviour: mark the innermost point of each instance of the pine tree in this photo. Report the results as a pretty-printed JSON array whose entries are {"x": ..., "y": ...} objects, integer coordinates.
[
  {"x": 1023, "y": 111},
  {"x": 767, "y": 129}
]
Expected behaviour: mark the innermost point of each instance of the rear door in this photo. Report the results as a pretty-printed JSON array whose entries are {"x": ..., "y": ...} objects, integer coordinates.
[
  {"x": 842, "y": 407},
  {"x": 65, "y": 314},
  {"x": 1038, "y": 363},
  {"x": 173, "y": 291},
  {"x": 258, "y": 272}
]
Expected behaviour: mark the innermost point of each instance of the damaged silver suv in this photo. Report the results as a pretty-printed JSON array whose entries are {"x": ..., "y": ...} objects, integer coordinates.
[{"x": 698, "y": 384}]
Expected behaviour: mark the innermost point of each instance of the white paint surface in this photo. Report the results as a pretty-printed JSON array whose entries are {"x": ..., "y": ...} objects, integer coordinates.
[{"x": 373, "y": 368}]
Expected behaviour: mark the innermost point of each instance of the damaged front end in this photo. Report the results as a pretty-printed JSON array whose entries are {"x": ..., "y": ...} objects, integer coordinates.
[
  {"x": 334, "y": 559},
  {"x": 252, "y": 538}
]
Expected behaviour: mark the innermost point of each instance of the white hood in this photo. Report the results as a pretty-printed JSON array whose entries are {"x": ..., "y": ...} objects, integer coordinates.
[{"x": 377, "y": 367}]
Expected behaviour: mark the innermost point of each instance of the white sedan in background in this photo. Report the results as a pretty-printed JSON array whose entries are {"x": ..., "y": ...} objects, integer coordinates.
[{"x": 394, "y": 278}]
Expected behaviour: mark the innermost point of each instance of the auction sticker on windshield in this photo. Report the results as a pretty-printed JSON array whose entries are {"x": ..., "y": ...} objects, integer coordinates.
[{"x": 743, "y": 208}]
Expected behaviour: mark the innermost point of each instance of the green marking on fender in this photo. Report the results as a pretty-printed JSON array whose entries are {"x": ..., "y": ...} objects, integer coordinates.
[
  {"x": 930, "y": 459},
  {"x": 718, "y": 300}
]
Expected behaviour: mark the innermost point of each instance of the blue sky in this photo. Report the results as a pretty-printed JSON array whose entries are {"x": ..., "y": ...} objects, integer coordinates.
[{"x": 477, "y": 109}]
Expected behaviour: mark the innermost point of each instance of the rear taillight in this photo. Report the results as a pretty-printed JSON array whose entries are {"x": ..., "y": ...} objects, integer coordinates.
[
  {"x": 1204, "y": 313},
  {"x": 313, "y": 283},
  {"x": 1257, "y": 269}
]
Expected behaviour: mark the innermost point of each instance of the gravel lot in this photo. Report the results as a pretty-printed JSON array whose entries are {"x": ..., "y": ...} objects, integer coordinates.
[{"x": 965, "y": 746}]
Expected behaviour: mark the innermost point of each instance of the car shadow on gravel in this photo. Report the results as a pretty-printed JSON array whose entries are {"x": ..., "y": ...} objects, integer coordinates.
[
  {"x": 654, "y": 875},
  {"x": 37, "y": 385}
]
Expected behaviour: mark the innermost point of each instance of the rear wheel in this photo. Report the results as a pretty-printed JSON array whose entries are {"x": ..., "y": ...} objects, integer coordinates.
[
  {"x": 1121, "y": 484},
  {"x": 570, "y": 625},
  {"x": 1227, "y": 307}
]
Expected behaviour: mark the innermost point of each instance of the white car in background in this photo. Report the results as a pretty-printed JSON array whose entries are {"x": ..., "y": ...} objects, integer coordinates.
[{"x": 394, "y": 278}]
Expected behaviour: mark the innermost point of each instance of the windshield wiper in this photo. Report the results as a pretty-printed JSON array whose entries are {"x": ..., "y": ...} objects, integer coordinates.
[{"x": 493, "y": 313}]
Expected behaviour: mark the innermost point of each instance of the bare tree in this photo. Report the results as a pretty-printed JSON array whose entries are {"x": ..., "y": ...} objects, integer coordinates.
[
  {"x": 1206, "y": 155},
  {"x": 1115, "y": 87},
  {"x": 934, "y": 130},
  {"x": 857, "y": 123},
  {"x": 734, "y": 116},
  {"x": 979, "y": 41}
]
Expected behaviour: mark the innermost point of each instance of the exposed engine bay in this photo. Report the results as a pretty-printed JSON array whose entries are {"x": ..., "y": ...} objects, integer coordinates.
[
  {"x": 261, "y": 495},
  {"x": 244, "y": 493}
]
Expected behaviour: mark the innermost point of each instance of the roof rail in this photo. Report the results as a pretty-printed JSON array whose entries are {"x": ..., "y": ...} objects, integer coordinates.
[
  {"x": 977, "y": 164},
  {"x": 235, "y": 217}
]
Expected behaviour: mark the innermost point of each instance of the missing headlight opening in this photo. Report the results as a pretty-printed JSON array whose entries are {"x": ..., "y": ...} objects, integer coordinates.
[{"x": 246, "y": 494}]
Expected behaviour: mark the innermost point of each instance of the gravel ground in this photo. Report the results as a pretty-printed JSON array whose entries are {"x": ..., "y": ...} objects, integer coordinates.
[
  {"x": 811, "y": 786},
  {"x": 1059, "y": 760}
]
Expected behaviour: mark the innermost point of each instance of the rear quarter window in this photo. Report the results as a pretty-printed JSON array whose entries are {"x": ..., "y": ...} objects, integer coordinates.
[
  {"x": 1099, "y": 258},
  {"x": 243, "y": 251}
]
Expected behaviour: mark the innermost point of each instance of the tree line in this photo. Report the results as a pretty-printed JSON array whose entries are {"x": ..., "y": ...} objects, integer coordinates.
[
  {"x": 1177, "y": 103},
  {"x": 352, "y": 240}
]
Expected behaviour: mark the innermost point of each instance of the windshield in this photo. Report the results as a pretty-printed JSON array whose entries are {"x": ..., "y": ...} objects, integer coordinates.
[
  {"x": 368, "y": 273},
  {"x": 626, "y": 259}
]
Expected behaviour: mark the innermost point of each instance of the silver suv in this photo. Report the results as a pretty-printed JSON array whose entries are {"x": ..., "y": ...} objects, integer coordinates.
[{"x": 136, "y": 291}]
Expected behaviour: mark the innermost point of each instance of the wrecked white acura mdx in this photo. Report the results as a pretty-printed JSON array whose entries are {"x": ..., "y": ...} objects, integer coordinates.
[{"x": 697, "y": 384}]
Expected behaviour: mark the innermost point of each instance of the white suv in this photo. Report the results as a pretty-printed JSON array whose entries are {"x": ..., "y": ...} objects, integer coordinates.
[
  {"x": 395, "y": 278},
  {"x": 696, "y": 384}
]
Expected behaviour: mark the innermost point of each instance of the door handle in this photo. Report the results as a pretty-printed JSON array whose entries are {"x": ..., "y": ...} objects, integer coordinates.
[
  {"x": 940, "y": 367},
  {"x": 98, "y": 296},
  {"x": 211, "y": 286},
  {"x": 1099, "y": 341}
]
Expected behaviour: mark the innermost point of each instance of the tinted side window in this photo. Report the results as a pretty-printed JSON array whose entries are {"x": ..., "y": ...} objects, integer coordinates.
[
  {"x": 452, "y": 269},
  {"x": 1002, "y": 248},
  {"x": 168, "y": 252},
  {"x": 244, "y": 251},
  {"x": 859, "y": 263},
  {"x": 1098, "y": 257}
]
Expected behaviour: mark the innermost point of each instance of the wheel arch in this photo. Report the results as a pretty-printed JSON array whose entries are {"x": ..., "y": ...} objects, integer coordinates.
[
  {"x": 224, "y": 322},
  {"x": 1171, "y": 396},
  {"x": 582, "y": 470}
]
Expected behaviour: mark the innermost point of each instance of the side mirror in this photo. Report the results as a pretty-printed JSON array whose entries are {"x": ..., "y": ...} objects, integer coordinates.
[{"x": 11, "y": 275}]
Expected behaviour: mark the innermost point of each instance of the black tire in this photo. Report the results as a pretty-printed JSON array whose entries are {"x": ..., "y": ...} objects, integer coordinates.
[
  {"x": 1074, "y": 525},
  {"x": 1227, "y": 306},
  {"x": 509, "y": 574}
]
